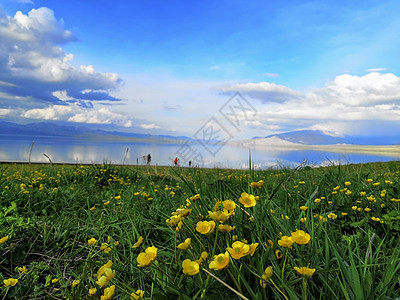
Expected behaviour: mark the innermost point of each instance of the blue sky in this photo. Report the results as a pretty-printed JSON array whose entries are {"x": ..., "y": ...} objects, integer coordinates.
[{"x": 175, "y": 58}]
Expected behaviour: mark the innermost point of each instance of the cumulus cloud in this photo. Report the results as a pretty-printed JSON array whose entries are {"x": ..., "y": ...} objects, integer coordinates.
[
  {"x": 101, "y": 116},
  {"x": 33, "y": 64},
  {"x": 53, "y": 112},
  {"x": 149, "y": 126},
  {"x": 368, "y": 90},
  {"x": 337, "y": 108}
]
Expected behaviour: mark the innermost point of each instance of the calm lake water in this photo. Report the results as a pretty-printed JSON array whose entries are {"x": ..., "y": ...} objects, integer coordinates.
[{"x": 64, "y": 150}]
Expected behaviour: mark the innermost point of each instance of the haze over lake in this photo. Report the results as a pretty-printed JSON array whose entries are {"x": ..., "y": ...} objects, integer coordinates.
[{"x": 72, "y": 150}]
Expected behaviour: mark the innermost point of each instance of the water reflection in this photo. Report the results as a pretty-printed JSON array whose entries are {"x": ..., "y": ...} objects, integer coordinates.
[{"x": 83, "y": 151}]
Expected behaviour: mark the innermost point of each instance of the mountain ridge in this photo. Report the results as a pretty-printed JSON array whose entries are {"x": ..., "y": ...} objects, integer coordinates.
[
  {"x": 76, "y": 131},
  {"x": 318, "y": 137}
]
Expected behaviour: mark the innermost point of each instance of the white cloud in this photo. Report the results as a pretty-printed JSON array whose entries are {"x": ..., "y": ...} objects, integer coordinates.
[
  {"x": 4, "y": 111},
  {"x": 264, "y": 91},
  {"x": 35, "y": 65},
  {"x": 276, "y": 75},
  {"x": 25, "y": 1},
  {"x": 101, "y": 116},
  {"x": 368, "y": 90},
  {"x": 49, "y": 113},
  {"x": 343, "y": 106},
  {"x": 149, "y": 126},
  {"x": 376, "y": 70},
  {"x": 62, "y": 95}
]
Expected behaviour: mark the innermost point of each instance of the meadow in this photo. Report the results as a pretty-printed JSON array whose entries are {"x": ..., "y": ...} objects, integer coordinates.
[{"x": 121, "y": 232}]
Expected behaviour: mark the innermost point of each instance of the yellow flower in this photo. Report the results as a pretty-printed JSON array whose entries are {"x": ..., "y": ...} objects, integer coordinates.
[
  {"x": 229, "y": 205},
  {"x": 182, "y": 212},
  {"x": 203, "y": 257},
  {"x": 225, "y": 228},
  {"x": 175, "y": 222},
  {"x": 92, "y": 291},
  {"x": 253, "y": 248},
  {"x": 318, "y": 200},
  {"x": 257, "y": 185},
  {"x": 137, "y": 295},
  {"x": 375, "y": 219},
  {"x": 190, "y": 267},
  {"x": 195, "y": 197},
  {"x": 344, "y": 213},
  {"x": 4, "y": 239},
  {"x": 205, "y": 227},
  {"x": 238, "y": 250},
  {"x": 10, "y": 282},
  {"x": 300, "y": 237},
  {"x": 145, "y": 259},
  {"x": 105, "y": 247},
  {"x": 138, "y": 243},
  {"x": 55, "y": 280},
  {"x": 118, "y": 197},
  {"x": 303, "y": 208},
  {"x": 376, "y": 184},
  {"x": 270, "y": 244},
  {"x": 108, "y": 293},
  {"x": 185, "y": 245},
  {"x": 220, "y": 261},
  {"x": 247, "y": 200},
  {"x": 92, "y": 242},
  {"x": 278, "y": 254},
  {"x": 304, "y": 271},
  {"x": 367, "y": 209},
  {"x": 347, "y": 183},
  {"x": 75, "y": 282},
  {"x": 22, "y": 270},
  {"x": 286, "y": 241},
  {"x": 219, "y": 216},
  {"x": 105, "y": 274},
  {"x": 107, "y": 202},
  {"x": 369, "y": 180},
  {"x": 92, "y": 208},
  {"x": 362, "y": 194},
  {"x": 266, "y": 276},
  {"x": 332, "y": 216}
]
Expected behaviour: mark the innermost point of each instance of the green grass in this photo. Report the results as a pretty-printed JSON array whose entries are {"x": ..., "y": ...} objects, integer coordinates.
[{"x": 45, "y": 211}]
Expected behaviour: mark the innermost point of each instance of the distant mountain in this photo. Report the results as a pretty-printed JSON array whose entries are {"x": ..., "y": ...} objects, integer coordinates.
[
  {"x": 317, "y": 137},
  {"x": 309, "y": 137},
  {"x": 79, "y": 131}
]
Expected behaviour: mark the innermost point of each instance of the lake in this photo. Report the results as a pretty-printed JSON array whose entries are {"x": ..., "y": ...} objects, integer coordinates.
[{"x": 70, "y": 150}]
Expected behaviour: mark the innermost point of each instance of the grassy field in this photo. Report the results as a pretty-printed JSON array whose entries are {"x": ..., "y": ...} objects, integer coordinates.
[{"x": 101, "y": 231}]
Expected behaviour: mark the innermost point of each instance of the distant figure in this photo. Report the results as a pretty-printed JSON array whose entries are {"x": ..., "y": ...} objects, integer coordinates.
[
  {"x": 190, "y": 163},
  {"x": 176, "y": 162},
  {"x": 148, "y": 159}
]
